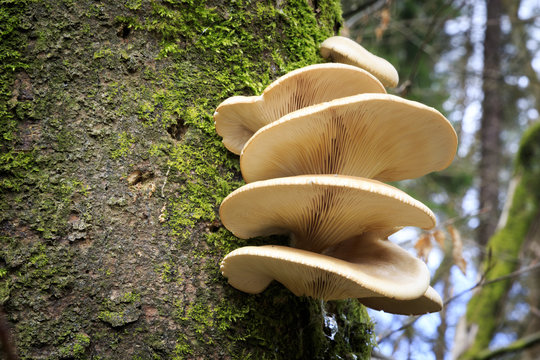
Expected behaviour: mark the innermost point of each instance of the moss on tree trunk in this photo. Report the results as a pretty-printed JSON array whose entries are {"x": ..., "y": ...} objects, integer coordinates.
[
  {"x": 506, "y": 245},
  {"x": 112, "y": 175}
]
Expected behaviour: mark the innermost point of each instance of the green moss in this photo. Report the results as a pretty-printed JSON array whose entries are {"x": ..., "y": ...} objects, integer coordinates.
[
  {"x": 507, "y": 243},
  {"x": 104, "y": 53},
  {"x": 13, "y": 164},
  {"x": 182, "y": 348},
  {"x": 161, "y": 115},
  {"x": 77, "y": 348},
  {"x": 230, "y": 59},
  {"x": 124, "y": 145},
  {"x": 130, "y": 297},
  {"x": 256, "y": 326},
  {"x": 527, "y": 157},
  {"x": 167, "y": 272},
  {"x": 38, "y": 267},
  {"x": 216, "y": 54},
  {"x": 37, "y": 273},
  {"x": 122, "y": 310},
  {"x": 21, "y": 165}
]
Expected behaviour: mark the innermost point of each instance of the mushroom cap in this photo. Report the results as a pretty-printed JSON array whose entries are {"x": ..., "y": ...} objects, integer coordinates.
[
  {"x": 429, "y": 302},
  {"x": 355, "y": 248},
  {"x": 320, "y": 210},
  {"x": 377, "y": 136},
  {"x": 382, "y": 269},
  {"x": 239, "y": 117},
  {"x": 344, "y": 50}
]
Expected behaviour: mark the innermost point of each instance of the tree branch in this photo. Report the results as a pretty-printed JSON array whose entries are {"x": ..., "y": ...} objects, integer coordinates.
[
  {"x": 518, "y": 345},
  {"x": 353, "y": 16},
  {"x": 480, "y": 283}
]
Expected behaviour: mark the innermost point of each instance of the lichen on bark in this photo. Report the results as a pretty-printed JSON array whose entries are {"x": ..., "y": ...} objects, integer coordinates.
[{"x": 112, "y": 175}]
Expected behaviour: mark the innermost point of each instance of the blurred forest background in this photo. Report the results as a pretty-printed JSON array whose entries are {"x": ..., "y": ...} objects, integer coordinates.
[{"x": 479, "y": 63}]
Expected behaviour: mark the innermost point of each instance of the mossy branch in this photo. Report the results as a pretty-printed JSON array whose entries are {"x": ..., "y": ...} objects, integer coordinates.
[
  {"x": 507, "y": 244},
  {"x": 518, "y": 345},
  {"x": 481, "y": 283}
]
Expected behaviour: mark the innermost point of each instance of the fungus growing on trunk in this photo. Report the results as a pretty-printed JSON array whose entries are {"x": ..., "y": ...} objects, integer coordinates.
[
  {"x": 344, "y": 50},
  {"x": 314, "y": 148},
  {"x": 378, "y": 136},
  {"x": 239, "y": 117},
  {"x": 381, "y": 269},
  {"x": 320, "y": 211},
  {"x": 429, "y": 302}
]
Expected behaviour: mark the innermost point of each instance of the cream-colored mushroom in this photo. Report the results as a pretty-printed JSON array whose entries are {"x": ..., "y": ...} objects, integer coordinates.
[
  {"x": 363, "y": 246},
  {"x": 344, "y": 50},
  {"x": 429, "y": 302},
  {"x": 239, "y": 117},
  {"x": 320, "y": 211},
  {"x": 382, "y": 269},
  {"x": 376, "y": 136}
]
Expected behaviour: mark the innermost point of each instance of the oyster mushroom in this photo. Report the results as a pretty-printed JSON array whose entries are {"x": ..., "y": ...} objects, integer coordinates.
[
  {"x": 367, "y": 246},
  {"x": 239, "y": 117},
  {"x": 320, "y": 211},
  {"x": 382, "y": 269},
  {"x": 378, "y": 136},
  {"x": 344, "y": 50},
  {"x": 429, "y": 302}
]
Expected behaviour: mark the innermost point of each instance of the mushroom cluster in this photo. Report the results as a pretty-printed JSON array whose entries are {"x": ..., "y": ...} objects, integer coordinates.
[{"x": 314, "y": 149}]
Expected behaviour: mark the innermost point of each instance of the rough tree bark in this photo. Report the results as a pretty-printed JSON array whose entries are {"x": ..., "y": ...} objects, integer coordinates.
[{"x": 112, "y": 174}]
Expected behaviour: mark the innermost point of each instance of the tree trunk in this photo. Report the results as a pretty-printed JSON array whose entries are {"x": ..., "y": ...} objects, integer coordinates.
[
  {"x": 506, "y": 246},
  {"x": 112, "y": 176},
  {"x": 531, "y": 253},
  {"x": 490, "y": 144}
]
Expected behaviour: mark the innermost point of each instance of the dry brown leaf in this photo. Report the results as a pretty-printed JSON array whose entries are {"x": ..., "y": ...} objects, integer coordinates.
[
  {"x": 423, "y": 246},
  {"x": 457, "y": 249},
  {"x": 379, "y": 33},
  {"x": 385, "y": 20},
  {"x": 385, "y": 17},
  {"x": 439, "y": 237}
]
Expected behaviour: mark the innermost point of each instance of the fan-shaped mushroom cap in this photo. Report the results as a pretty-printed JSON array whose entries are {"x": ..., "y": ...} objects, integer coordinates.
[
  {"x": 320, "y": 210},
  {"x": 344, "y": 50},
  {"x": 383, "y": 269},
  {"x": 358, "y": 247},
  {"x": 377, "y": 136},
  {"x": 429, "y": 302},
  {"x": 238, "y": 117}
]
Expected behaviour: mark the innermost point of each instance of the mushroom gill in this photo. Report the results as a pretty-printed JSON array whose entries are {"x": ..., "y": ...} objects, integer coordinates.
[
  {"x": 320, "y": 211},
  {"x": 239, "y": 117},
  {"x": 313, "y": 148},
  {"x": 377, "y": 136},
  {"x": 382, "y": 270}
]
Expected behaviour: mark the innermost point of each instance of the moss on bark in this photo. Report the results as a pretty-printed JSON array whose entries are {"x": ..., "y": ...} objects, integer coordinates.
[
  {"x": 112, "y": 175},
  {"x": 506, "y": 245}
]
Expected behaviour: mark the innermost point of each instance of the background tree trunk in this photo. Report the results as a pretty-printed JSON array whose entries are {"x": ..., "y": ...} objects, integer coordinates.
[
  {"x": 490, "y": 129},
  {"x": 112, "y": 176},
  {"x": 519, "y": 231}
]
